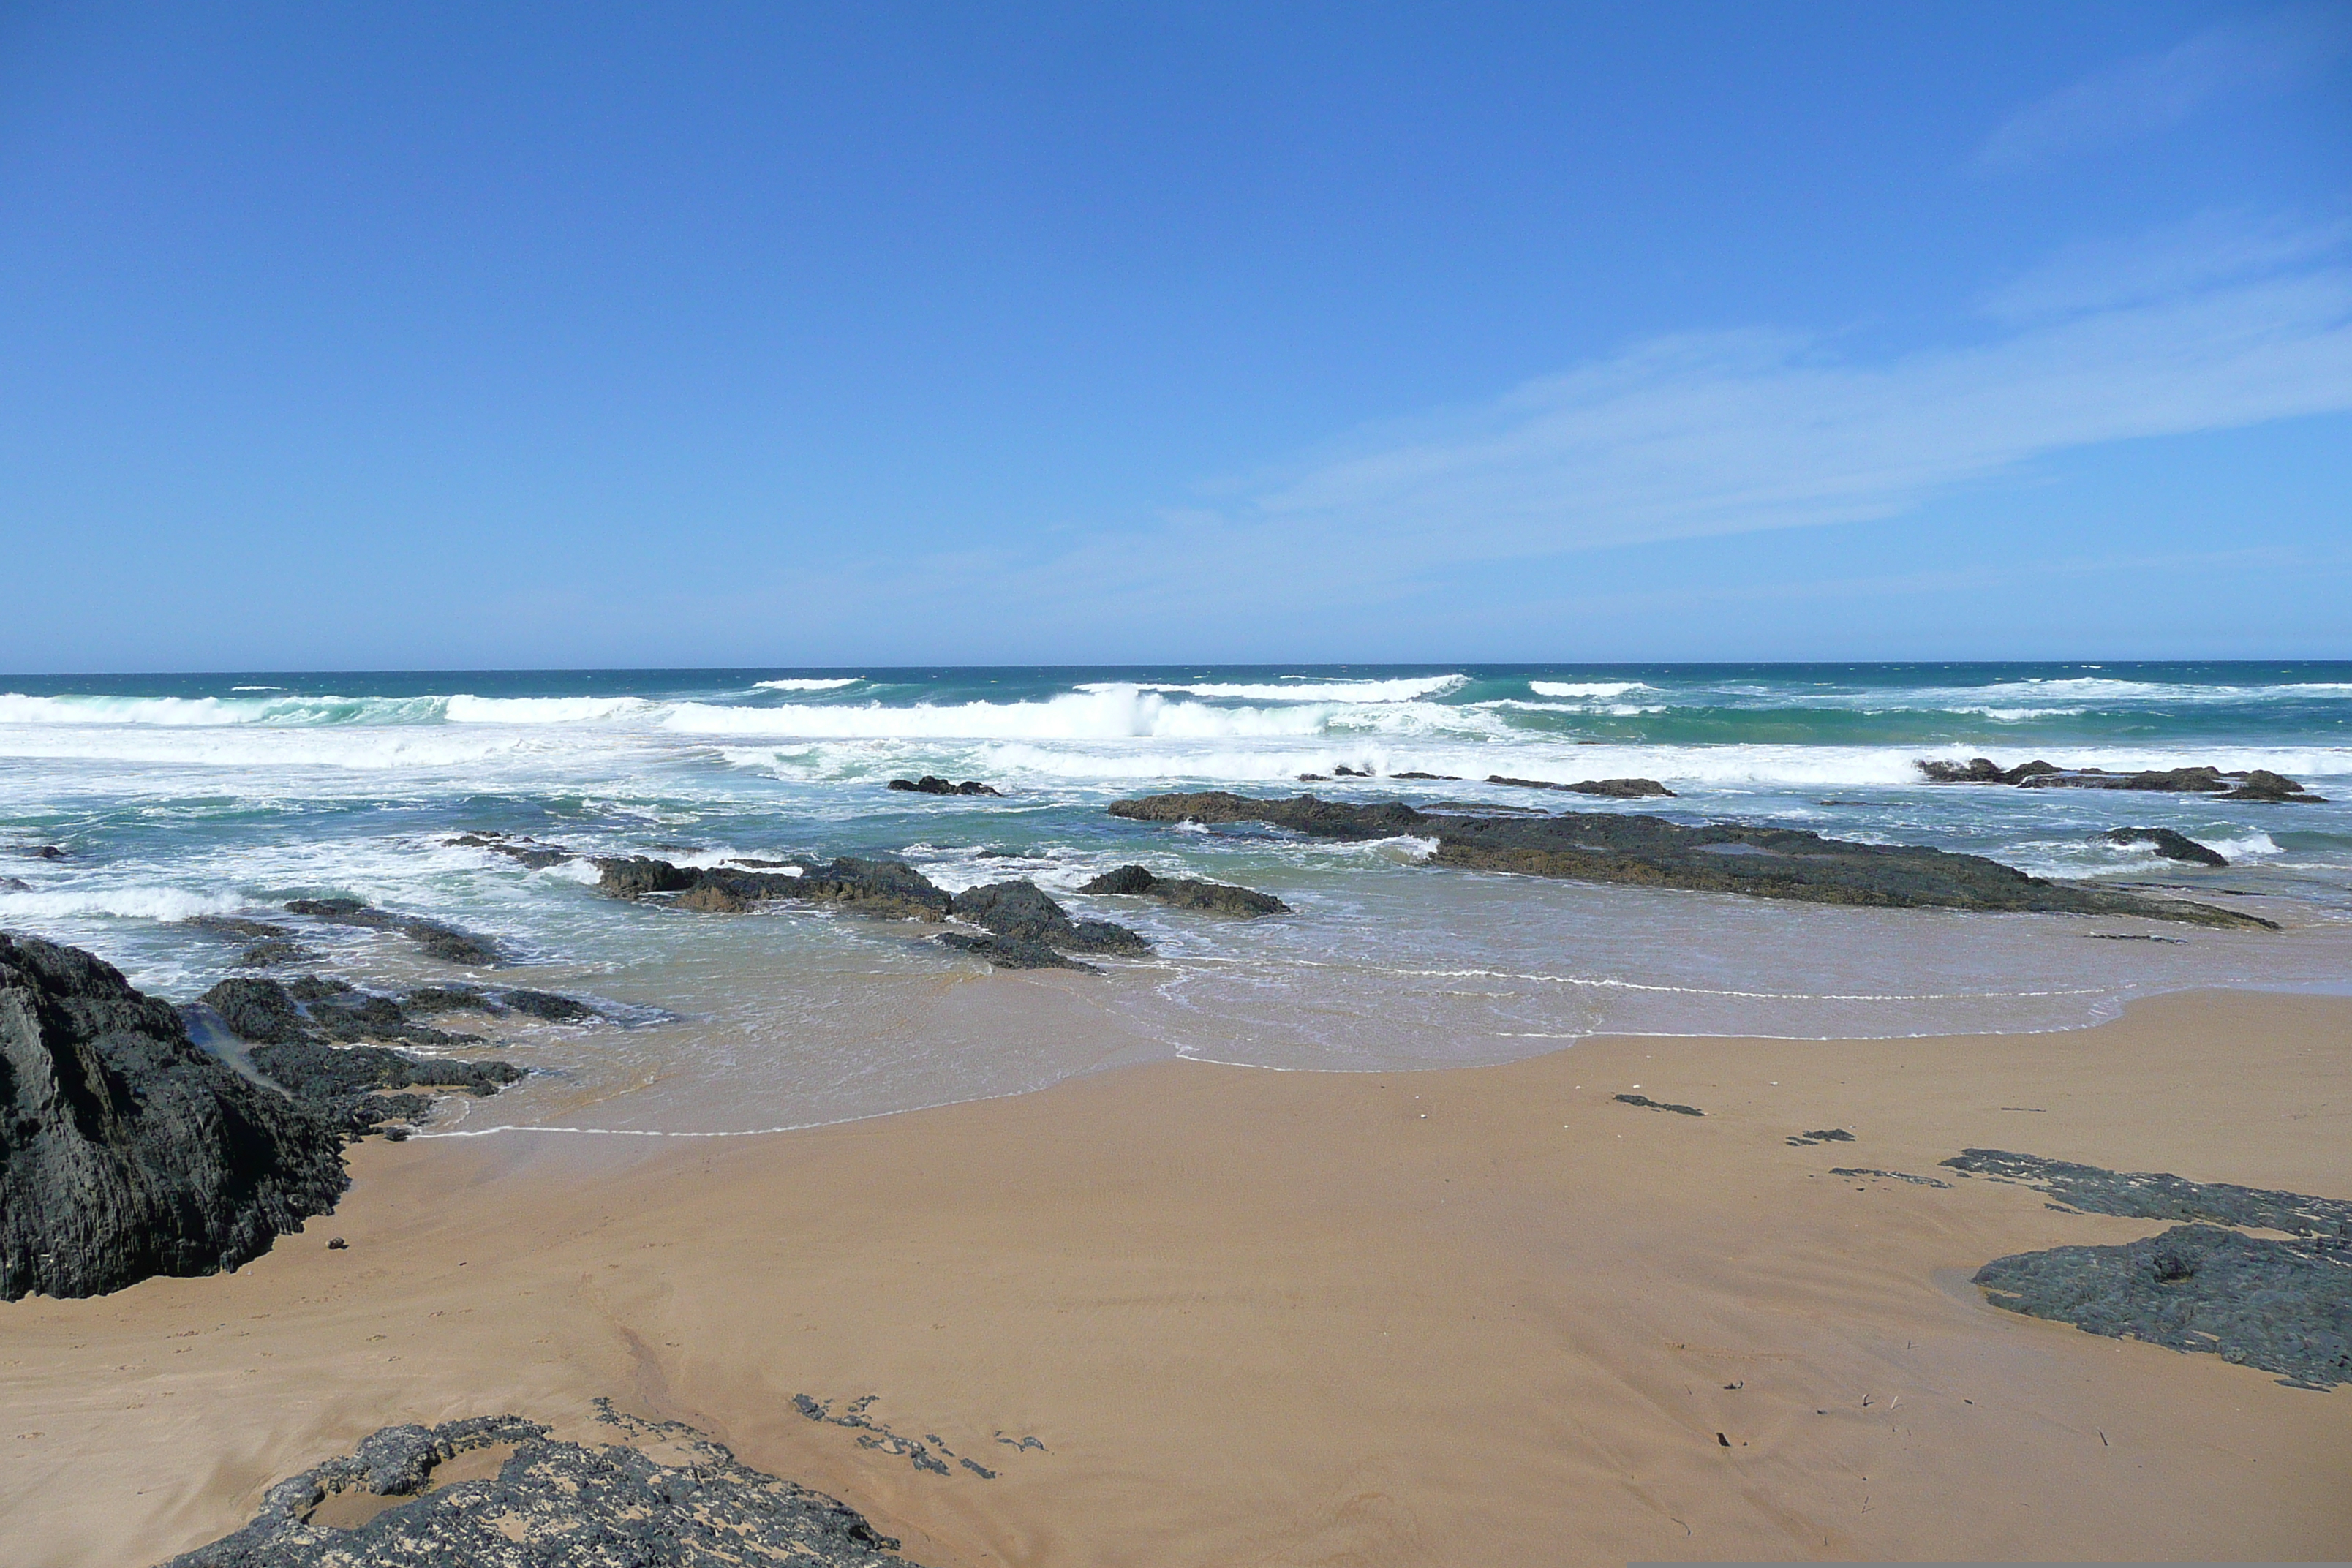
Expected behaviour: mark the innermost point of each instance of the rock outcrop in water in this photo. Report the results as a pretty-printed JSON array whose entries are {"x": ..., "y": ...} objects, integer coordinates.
[
  {"x": 887, "y": 887},
  {"x": 661, "y": 1495},
  {"x": 2283, "y": 1305},
  {"x": 303, "y": 1038},
  {"x": 1021, "y": 912},
  {"x": 2172, "y": 846},
  {"x": 1612, "y": 789},
  {"x": 1187, "y": 893},
  {"x": 433, "y": 938},
  {"x": 931, "y": 783},
  {"x": 2258, "y": 785},
  {"x": 125, "y": 1149},
  {"x": 1723, "y": 857},
  {"x": 528, "y": 853}
]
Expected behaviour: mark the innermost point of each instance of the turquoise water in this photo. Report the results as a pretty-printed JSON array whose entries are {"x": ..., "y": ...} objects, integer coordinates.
[{"x": 175, "y": 796}]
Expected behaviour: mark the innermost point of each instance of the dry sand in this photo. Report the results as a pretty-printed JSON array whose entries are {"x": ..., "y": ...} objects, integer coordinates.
[{"x": 1481, "y": 1316}]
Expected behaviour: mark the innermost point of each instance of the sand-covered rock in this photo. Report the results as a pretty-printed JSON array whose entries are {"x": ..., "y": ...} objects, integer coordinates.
[
  {"x": 125, "y": 1149},
  {"x": 1720, "y": 857}
]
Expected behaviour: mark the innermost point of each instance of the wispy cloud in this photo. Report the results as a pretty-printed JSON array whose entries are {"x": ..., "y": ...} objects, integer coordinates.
[
  {"x": 1743, "y": 432},
  {"x": 2272, "y": 53}
]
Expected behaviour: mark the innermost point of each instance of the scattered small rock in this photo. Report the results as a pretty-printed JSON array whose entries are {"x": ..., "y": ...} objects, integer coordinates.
[
  {"x": 1826, "y": 1135},
  {"x": 337, "y": 1244},
  {"x": 930, "y": 784}
]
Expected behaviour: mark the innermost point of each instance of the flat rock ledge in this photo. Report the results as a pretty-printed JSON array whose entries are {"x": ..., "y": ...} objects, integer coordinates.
[
  {"x": 2258, "y": 785},
  {"x": 1722, "y": 857},
  {"x": 127, "y": 1150},
  {"x": 660, "y": 1494},
  {"x": 2280, "y": 1304},
  {"x": 1187, "y": 893}
]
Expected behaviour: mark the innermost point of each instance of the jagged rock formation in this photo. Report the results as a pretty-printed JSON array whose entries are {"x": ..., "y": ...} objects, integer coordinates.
[
  {"x": 1613, "y": 789},
  {"x": 2172, "y": 846},
  {"x": 528, "y": 853},
  {"x": 301, "y": 1038},
  {"x": 931, "y": 783},
  {"x": 125, "y": 1149},
  {"x": 2284, "y": 1306},
  {"x": 869, "y": 886},
  {"x": 268, "y": 944},
  {"x": 435, "y": 940},
  {"x": 496, "y": 1491},
  {"x": 1723, "y": 857},
  {"x": 2255, "y": 784},
  {"x": 1187, "y": 893}
]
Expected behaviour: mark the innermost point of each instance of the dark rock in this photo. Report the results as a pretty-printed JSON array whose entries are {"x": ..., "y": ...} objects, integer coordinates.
[
  {"x": 1021, "y": 912},
  {"x": 1011, "y": 951},
  {"x": 1440, "y": 778},
  {"x": 1826, "y": 1135},
  {"x": 1614, "y": 789},
  {"x": 711, "y": 899},
  {"x": 1314, "y": 778},
  {"x": 276, "y": 953},
  {"x": 237, "y": 926},
  {"x": 44, "y": 852},
  {"x": 581, "y": 1506},
  {"x": 125, "y": 1149},
  {"x": 435, "y": 940},
  {"x": 869, "y": 887},
  {"x": 2283, "y": 1306},
  {"x": 1644, "y": 1101},
  {"x": 2159, "y": 1195},
  {"x": 930, "y": 784},
  {"x": 1725, "y": 857},
  {"x": 2257, "y": 785},
  {"x": 2171, "y": 845},
  {"x": 1344, "y": 771},
  {"x": 15, "y": 885},
  {"x": 1186, "y": 892},
  {"x": 301, "y": 1039},
  {"x": 548, "y": 1006},
  {"x": 1887, "y": 1175},
  {"x": 337, "y": 1244},
  {"x": 527, "y": 853}
]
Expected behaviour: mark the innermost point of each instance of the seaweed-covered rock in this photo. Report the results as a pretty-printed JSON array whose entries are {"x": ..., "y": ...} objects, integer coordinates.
[
  {"x": 1186, "y": 892},
  {"x": 435, "y": 940},
  {"x": 661, "y": 1495},
  {"x": 2166, "y": 842},
  {"x": 125, "y": 1149},
  {"x": 1723, "y": 857},
  {"x": 1021, "y": 912}
]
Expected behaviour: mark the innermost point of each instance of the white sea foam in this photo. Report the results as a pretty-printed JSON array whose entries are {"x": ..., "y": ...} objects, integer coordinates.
[
  {"x": 1119, "y": 713},
  {"x": 150, "y": 903},
  {"x": 808, "y": 684},
  {"x": 1586, "y": 687},
  {"x": 1404, "y": 691},
  {"x": 467, "y": 708}
]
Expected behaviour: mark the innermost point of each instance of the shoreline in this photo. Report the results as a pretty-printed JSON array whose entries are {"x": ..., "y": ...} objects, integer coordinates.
[{"x": 1433, "y": 1315}]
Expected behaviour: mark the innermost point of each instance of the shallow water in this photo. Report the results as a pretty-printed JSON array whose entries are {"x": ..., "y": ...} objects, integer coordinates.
[{"x": 177, "y": 796}]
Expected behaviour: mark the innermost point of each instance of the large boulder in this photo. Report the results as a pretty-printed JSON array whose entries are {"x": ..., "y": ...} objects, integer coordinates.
[
  {"x": 1021, "y": 912},
  {"x": 1186, "y": 892},
  {"x": 125, "y": 1149},
  {"x": 2168, "y": 843}
]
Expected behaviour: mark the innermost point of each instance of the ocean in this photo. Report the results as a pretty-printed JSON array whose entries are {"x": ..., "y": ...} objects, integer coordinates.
[{"x": 172, "y": 797}]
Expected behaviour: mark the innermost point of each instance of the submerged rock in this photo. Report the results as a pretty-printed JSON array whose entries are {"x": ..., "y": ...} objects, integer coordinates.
[
  {"x": 2172, "y": 846},
  {"x": 1011, "y": 951},
  {"x": 530, "y": 854},
  {"x": 435, "y": 940},
  {"x": 125, "y": 1149},
  {"x": 1021, "y": 912},
  {"x": 1722, "y": 857},
  {"x": 2256, "y": 785},
  {"x": 1186, "y": 892},
  {"x": 660, "y": 1494},
  {"x": 932, "y": 784}
]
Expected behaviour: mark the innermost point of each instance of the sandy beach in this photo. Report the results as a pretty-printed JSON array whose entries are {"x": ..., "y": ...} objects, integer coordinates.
[{"x": 1468, "y": 1316}]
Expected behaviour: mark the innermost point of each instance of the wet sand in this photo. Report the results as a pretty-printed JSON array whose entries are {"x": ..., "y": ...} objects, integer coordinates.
[{"x": 1469, "y": 1316}]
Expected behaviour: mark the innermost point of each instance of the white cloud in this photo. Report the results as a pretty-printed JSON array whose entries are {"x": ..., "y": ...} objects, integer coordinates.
[{"x": 2271, "y": 53}]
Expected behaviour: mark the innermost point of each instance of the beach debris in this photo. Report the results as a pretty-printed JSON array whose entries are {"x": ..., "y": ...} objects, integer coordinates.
[
  {"x": 1826, "y": 1135},
  {"x": 2283, "y": 1305},
  {"x": 930, "y": 784},
  {"x": 2166, "y": 842},
  {"x": 1650, "y": 851},
  {"x": 1186, "y": 892},
  {"x": 2259, "y": 784},
  {"x": 1888, "y": 1175},
  {"x": 660, "y": 1492},
  {"x": 127, "y": 1150},
  {"x": 1612, "y": 789},
  {"x": 1644, "y": 1101},
  {"x": 435, "y": 938}
]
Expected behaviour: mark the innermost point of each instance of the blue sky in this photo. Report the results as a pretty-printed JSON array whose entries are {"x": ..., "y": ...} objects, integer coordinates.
[{"x": 480, "y": 336}]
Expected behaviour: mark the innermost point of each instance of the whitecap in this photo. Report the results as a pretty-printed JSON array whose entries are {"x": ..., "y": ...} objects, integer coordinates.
[
  {"x": 1586, "y": 687},
  {"x": 808, "y": 684},
  {"x": 1408, "y": 689}
]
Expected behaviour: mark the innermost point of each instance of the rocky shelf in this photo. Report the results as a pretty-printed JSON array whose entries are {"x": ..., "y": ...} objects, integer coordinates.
[
  {"x": 2255, "y": 784},
  {"x": 1721, "y": 857}
]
